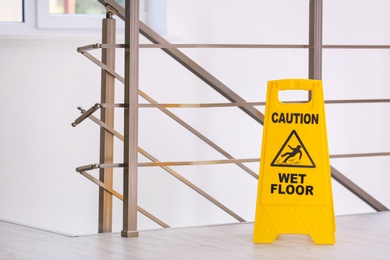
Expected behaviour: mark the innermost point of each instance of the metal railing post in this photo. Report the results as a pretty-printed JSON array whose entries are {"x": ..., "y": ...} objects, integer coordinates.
[
  {"x": 130, "y": 172},
  {"x": 315, "y": 39},
  {"x": 107, "y": 116}
]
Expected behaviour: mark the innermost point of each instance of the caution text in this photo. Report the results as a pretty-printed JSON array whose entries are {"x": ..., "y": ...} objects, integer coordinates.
[{"x": 294, "y": 118}]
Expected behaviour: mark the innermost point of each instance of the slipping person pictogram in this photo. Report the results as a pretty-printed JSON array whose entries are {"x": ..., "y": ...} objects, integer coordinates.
[{"x": 294, "y": 152}]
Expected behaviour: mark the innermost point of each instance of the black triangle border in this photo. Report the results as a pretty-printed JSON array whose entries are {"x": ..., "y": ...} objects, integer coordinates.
[{"x": 304, "y": 148}]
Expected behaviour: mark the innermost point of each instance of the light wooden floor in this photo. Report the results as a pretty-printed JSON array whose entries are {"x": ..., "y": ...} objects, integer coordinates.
[{"x": 365, "y": 236}]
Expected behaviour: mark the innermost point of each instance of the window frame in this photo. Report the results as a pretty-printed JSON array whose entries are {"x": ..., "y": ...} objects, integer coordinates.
[
  {"x": 13, "y": 8},
  {"x": 11, "y": 28},
  {"x": 45, "y": 20},
  {"x": 39, "y": 21}
]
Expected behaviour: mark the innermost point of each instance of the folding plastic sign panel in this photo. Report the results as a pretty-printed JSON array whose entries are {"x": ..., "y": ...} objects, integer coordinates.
[{"x": 294, "y": 191}]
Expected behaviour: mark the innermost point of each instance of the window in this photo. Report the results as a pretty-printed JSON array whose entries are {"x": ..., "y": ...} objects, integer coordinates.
[
  {"x": 70, "y": 14},
  {"x": 78, "y": 6},
  {"x": 20, "y": 17},
  {"x": 11, "y": 11}
]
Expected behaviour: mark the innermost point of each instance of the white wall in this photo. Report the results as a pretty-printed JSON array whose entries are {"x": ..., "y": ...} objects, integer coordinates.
[{"x": 44, "y": 79}]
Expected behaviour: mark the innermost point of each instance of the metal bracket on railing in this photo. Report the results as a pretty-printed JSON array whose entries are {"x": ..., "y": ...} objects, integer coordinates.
[
  {"x": 85, "y": 48},
  {"x": 85, "y": 114},
  {"x": 89, "y": 47},
  {"x": 110, "y": 11},
  {"x": 94, "y": 166},
  {"x": 111, "y": 105},
  {"x": 112, "y": 6},
  {"x": 87, "y": 167}
]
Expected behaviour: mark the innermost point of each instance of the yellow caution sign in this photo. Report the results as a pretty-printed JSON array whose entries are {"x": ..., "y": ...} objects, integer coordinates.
[{"x": 294, "y": 192}]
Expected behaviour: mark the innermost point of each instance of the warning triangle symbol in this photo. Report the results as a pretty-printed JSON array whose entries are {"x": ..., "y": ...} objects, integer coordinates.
[{"x": 293, "y": 154}]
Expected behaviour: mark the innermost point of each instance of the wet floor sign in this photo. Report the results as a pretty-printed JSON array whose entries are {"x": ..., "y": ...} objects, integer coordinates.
[{"x": 294, "y": 192}]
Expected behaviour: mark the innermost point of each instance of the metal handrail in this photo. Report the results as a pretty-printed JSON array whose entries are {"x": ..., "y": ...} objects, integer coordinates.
[
  {"x": 349, "y": 185},
  {"x": 243, "y": 104},
  {"x": 314, "y": 47},
  {"x": 232, "y": 46}
]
